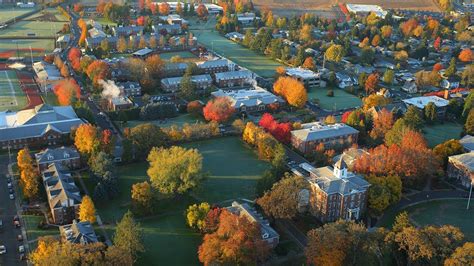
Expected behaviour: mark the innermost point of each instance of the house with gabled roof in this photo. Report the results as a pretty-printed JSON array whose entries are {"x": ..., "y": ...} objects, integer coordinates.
[
  {"x": 78, "y": 233},
  {"x": 64, "y": 197},
  {"x": 66, "y": 156},
  {"x": 461, "y": 167}
]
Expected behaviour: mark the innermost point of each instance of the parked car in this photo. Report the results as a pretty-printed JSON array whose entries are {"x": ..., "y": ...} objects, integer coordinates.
[
  {"x": 16, "y": 218},
  {"x": 21, "y": 249},
  {"x": 12, "y": 197},
  {"x": 9, "y": 185},
  {"x": 3, "y": 250},
  {"x": 19, "y": 238},
  {"x": 17, "y": 224}
]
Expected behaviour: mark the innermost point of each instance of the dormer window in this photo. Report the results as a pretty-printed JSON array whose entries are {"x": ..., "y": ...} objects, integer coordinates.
[
  {"x": 50, "y": 157},
  {"x": 66, "y": 155}
]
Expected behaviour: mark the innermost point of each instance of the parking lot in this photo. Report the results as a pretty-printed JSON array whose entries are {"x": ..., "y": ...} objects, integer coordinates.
[{"x": 8, "y": 231}]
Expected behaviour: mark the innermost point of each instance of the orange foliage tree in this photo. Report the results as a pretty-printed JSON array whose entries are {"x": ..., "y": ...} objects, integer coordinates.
[
  {"x": 466, "y": 55},
  {"x": 236, "y": 241},
  {"x": 87, "y": 139},
  {"x": 371, "y": 83},
  {"x": 67, "y": 90},
  {"x": 201, "y": 10},
  {"x": 309, "y": 63},
  {"x": 292, "y": 90},
  {"x": 437, "y": 67},
  {"x": 409, "y": 26},
  {"x": 74, "y": 57},
  {"x": 219, "y": 109},
  {"x": 97, "y": 70},
  {"x": 164, "y": 8},
  {"x": 83, "y": 26}
]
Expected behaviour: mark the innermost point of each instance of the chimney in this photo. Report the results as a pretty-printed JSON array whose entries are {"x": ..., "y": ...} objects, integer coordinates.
[{"x": 446, "y": 94}]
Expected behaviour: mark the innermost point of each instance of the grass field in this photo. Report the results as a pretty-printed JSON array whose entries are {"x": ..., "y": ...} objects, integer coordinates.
[
  {"x": 104, "y": 22},
  {"x": 167, "y": 237},
  {"x": 242, "y": 56},
  {"x": 341, "y": 99},
  {"x": 39, "y": 47},
  {"x": 178, "y": 121},
  {"x": 183, "y": 54},
  {"x": 58, "y": 16},
  {"x": 310, "y": 5},
  {"x": 440, "y": 133},
  {"x": 9, "y": 13},
  {"x": 11, "y": 95},
  {"x": 50, "y": 98},
  {"x": 40, "y": 28},
  {"x": 32, "y": 230}
]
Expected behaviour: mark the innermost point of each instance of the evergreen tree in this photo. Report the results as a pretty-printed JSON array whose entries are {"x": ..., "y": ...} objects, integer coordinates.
[
  {"x": 469, "y": 125},
  {"x": 430, "y": 113},
  {"x": 129, "y": 236},
  {"x": 451, "y": 70}
]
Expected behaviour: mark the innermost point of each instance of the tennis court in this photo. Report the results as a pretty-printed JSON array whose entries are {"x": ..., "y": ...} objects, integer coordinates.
[{"x": 11, "y": 95}]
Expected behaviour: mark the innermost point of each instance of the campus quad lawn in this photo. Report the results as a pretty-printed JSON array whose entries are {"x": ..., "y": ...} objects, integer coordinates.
[
  {"x": 442, "y": 212},
  {"x": 11, "y": 98},
  {"x": 233, "y": 171},
  {"x": 439, "y": 133},
  {"x": 179, "y": 121},
  {"x": 9, "y": 13},
  {"x": 32, "y": 230},
  {"x": 242, "y": 56},
  {"x": 341, "y": 99}
]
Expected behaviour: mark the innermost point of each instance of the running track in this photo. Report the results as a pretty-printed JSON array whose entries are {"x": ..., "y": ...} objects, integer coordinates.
[{"x": 28, "y": 85}]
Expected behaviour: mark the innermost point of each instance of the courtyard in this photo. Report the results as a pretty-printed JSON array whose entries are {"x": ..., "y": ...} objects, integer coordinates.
[
  {"x": 340, "y": 100},
  {"x": 164, "y": 232}
]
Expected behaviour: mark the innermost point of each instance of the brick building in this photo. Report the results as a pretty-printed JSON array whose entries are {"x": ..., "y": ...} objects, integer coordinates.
[
  {"x": 238, "y": 78},
  {"x": 66, "y": 156},
  {"x": 461, "y": 167}
]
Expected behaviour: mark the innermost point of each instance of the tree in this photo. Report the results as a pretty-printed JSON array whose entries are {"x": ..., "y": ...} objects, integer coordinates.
[
  {"x": 371, "y": 83},
  {"x": 466, "y": 55},
  {"x": 87, "y": 210},
  {"x": 384, "y": 191},
  {"x": 86, "y": 139},
  {"x": 187, "y": 88},
  {"x": 437, "y": 67},
  {"x": 334, "y": 53},
  {"x": 375, "y": 100},
  {"x": 100, "y": 163},
  {"x": 413, "y": 118},
  {"x": 467, "y": 76},
  {"x": 175, "y": 170},
  {"x": 292, "y": 90},
  {"x": 388, "y": 76},
  {"x": 29, "y": 182},
  {"x": 65, "y": 71},
  {"x": 282, "y": 200},
  {"x": 330, "y": 120},
  {"x": 408, "y": 27},
  {"x": 468, "y": 104},
  {"x": 382, "y": 123},
  {"x": 201, "y": 11},
  {"x": 469, "y": 125},
  {"x": 219, "y": 109},
  {"x": 153, "y": 42},
  {"x": 451, "y": 70},
  {"x": 142, "y": 195},
  {"x": 306, "y": 33},
  {"x": 437, "y": 43},
  {"x": 67, "y": 91},
  {"x": 376, "y": 40},
  {"x": 146, "y": 136},
  {"x": 97, "y": 70},
  {"x": 105, "y": 46},
  {"x": 462, "y": 255},
  {"x": 236, "y": 241},
  {"x": 401, "y": 56},
  {"x": 309, "y": 63},
  {"x": 24, "y": 160},
  {"x": 386, "y": 31},
  {"x": 129, "y": 236},
  {"x": 196, "y": 215},
  {"x": 164, "y": 8},
  {"x": 430, "y": 113},
  {"x": 448, "y": 148}
]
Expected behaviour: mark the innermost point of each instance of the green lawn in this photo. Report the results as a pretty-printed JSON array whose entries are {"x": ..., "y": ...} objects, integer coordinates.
[
  {"x": 444, "y": 212},
  {"x": 49, "y": 11},
  {"x": 167, "y": 238},
  {"x": 439, "y": 133},
  {"x": 104, "y": 22},
  {"x": 182, "y": 54},
  {"x": 9, "y": 13},
  {"x": 40, "y": 28},
  {"x": 50, "y": 98},
  {"x": 178, "y": 121},
  {"x": 242, "y": 56},
  {"x": 11, "y": 95},
  {"x": 341, "y": 99},
  {"x": 32, "y": 230},
  {"x": 39, "y": 46}
]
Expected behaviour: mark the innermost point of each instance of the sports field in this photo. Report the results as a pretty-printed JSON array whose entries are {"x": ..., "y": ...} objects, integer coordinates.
[
  {"x": 439, "y": 133},
  {"x": 183, "y": 54},
  {"x": 242, "y": 56},
  {"x": 341, "y": 99},
  {"x": 166, "y": 237},
  {"x": 39, "y": 28},
  {"x": 11, "y": 96},
  {"x": 49, "y": 14},
  {"x": 9, "y": 13}
]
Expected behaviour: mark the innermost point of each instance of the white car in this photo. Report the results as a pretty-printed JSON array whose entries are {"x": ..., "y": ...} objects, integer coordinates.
[
  {"x": 12, "y": 197},
  {"x": 21, "y": 249},
  {"x": 9, "y": 185},
  {"x": 3, "y": 250}
]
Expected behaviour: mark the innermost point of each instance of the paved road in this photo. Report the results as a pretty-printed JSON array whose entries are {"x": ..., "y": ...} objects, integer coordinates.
[{"x": 8, "y": 234}]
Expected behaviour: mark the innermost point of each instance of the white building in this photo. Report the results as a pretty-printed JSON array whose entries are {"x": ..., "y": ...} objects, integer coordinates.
[
  {"x": 47, "y": 75},
  {"x": 422, "y": 101},
  {"x": 308, "y": 77},
  {"x": 363, "y": 10},
  {"x": 249, "y": 100}
]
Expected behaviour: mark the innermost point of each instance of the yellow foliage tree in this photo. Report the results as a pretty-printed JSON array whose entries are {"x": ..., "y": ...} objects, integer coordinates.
[
  {"x": 29, "y": 182},
  {"x": 87, "y": 210},
  {"x": 292, "y": 90},
  {"x": 335, "y": 52},
  {"x": 86, "y": 138},
  {"x": 24, "y": 159}
]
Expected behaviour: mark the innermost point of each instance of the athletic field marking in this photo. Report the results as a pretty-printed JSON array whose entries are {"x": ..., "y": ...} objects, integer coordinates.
[{"x": 11, "y": 87}]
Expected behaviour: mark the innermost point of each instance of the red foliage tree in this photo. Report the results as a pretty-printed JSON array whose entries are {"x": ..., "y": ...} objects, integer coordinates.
[
  {"x": 437, "y": 67},
  {"x": 437, "y": 43},
  {"x": 345, "y": 116},
  {"x": 100, "y": 7},
  {"x": 66, "y": 91},
  {"x": 74, "y": 57},
  {"x": 219, "y": 109},
  {"x": 466, "y": 55},
  {"x": 141, "y": 4},
  {"x": 106, "y": 141},
  {"x": 408, "y": 26},
  {"x": 97, "y": 70},
  {"x": 212, "y": 220},
  {"x": 371, "y": 83},
  {"x": 141, "y": 21},
  {"x": 202, "y": 10},
  {"x": 49, "y": 58},
  {"x": 78, "y": 7},
  {"x": 281, "y": 131},
  {"x": 164, "y": 8}
]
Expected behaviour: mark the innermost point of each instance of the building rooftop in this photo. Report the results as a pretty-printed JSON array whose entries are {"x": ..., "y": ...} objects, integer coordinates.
[
  {"x": 316, "y": 130},
  {"x": 301, "y": 73},
  {"x": 213, "y": 63},
  {"x": 46, "y": 71},
  {"x": 252, "y": 215},
  {"x": 143, "y": 52},
  {"x": 249, "y": 97},
  {"x": 196, "y": 78},
  {"x": 79, "y": 233},
  {"x": 121, "y": 100},
  {"x": 466, "y": 159},
  {"x": 57, "y": 154},
  {"x": 467, "y": 142},
  {"x": 422, "y": 101},
  {"x": 239, "y": 74},
  {"x": 355, "y": 8},
  {"x": 60, "y": 187}
]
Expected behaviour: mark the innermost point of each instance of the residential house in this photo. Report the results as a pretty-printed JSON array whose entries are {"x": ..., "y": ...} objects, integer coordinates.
[
  {"x": 201, "y": 82},
  {"x": 269, "y": 235},
  {"x": 93, "y": 43},
  {"x": 250, "y": 100},
  {"x": 68, "y": 157},
  {"x": 37, "y": 127},
  {"x": 143, "y": 53},
  {"x": 63, "y": 196},
  {"x": 216, "y": 66},
  {"x": 165, "y": 29},
  {"x": 235, "y": 36},
  {"x": 119, "y": 103},
  {"x": 422, "y": 101},
  {"x": 174, "y": 69},
  {"x": 237, "y": 78},
  {"x": 336, "y": 193},
  {"x": 306, "y": 76},
  {"x": 344, "y": 81},
  {"x": 247, "y": 19},
  {"x": 397, "y": 108},
  {"x": 127, "y": 31},
  {"x": 312, "y": 134},
  {"x": 78, "y": 233},
  {"x": 468, "y": 143},
  {"x": 129, "y": 88},
  {"x": 410, "y": 86},
  {"x": 461, "y": 167}
]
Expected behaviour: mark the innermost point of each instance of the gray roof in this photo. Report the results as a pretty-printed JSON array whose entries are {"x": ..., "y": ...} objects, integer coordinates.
[
  {"x": 97, "y": 40},
  {"x": 177, "y": 80},
  {"x": 252, "y": 215},
  {"x": 349, "y": 156},
  {"x": 316, "y": 131},
  {"x": 127, "y": 30},
  {"x": 167, "y": 27},
  {"x": 143, "y": 52},
  {"x": 128, "y": 85},
  {"x": 37, "y": 121},
  {"x": 213, "y": 63},
  {"x": 175, "y": 66},
  {"x": 240, "y": 74},
  {"x": 325, "y": 179},
  {"x": 248, "y": 98},
  {"x": 60, "y": 187},
  {"x": 58, "y": 154},
  {"x": 467, "y": 142},
  {"x": 465, "y": 159},
  {"x": 79, "y": 233}
]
